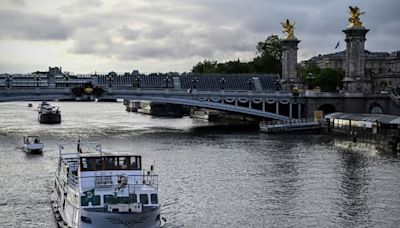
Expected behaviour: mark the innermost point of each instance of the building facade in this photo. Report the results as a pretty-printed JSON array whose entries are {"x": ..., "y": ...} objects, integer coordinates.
[{"x": 382, "y": 68}]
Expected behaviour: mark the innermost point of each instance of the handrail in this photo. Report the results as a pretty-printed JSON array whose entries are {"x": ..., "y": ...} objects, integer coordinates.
[{"x": 99, "y": 180}]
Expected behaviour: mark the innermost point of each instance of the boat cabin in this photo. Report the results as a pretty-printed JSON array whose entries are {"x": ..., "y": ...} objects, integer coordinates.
[
  {"x": 31, "y": 139},
  {"x": 108, "y": 182}
]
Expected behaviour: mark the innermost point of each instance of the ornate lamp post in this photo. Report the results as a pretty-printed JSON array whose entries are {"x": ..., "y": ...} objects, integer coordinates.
[
  {"x": 278, "y": 84},
  {"x": 137, "y": 78},
  {"x": 310, "y": 80},
  {"x": 9, "y": 80},
  {"x": 250, "y": 82},
  {"x": 194, "y": 83},
  {"x": 222, "y": 81},
  {"x": 110, "y": 79},
  {"x": 66, "y": 79},
  {"x": 37, "y": 80},
  {"x": 166, "y": 81}
]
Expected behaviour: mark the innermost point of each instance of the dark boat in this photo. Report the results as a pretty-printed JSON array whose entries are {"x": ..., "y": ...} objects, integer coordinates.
[{"x": 49, "y": 114}]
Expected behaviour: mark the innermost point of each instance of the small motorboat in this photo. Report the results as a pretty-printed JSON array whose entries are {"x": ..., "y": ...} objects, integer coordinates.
[
  {"x": 30, "y": 105},
  {"x": 32, "y": 144}
]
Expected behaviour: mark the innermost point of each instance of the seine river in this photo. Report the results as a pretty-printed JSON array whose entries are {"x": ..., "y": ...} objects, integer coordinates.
[{"x": 210, "y": 175}]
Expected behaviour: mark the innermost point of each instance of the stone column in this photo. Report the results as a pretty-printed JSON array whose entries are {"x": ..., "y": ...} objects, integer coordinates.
[
  {"x": 290, "y": 77},
  {"x": 355, "y": 80}
]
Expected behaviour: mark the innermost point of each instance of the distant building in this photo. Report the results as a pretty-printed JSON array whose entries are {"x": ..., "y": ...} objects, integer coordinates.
[{"x": 382, "y": 68}]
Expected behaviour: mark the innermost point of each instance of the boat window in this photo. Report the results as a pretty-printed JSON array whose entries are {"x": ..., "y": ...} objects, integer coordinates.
[
  {"x": 98, "y": 164},
  {"x": 132, "y": 198},
  {"x": 154, "y": 199},
  {"x": 109, "y": 163},
  {"x": 84, "y": 164},
  {"x": 84, "y": 201},
  {"x": 135, "y": 163},
  {"x": 123, "y": 163},
  {"x": 96, "y": 200},
  {"x": 144, "y": 199},
  {"x": 110, "y": 199}
]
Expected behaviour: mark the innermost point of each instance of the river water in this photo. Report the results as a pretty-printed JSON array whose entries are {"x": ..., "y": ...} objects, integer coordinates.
[{"x": 210, "y": 175}]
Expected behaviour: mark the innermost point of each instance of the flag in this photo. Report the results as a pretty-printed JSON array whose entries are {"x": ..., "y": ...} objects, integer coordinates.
[{"x": 337, "y": 45}]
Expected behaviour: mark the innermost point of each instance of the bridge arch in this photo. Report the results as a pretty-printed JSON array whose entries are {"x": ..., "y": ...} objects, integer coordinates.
[{"x": 327, "y": 108}]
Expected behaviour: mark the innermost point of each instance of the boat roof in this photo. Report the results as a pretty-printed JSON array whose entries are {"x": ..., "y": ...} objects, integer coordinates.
[
  {"x": 32, "y": 136},
  {"x": 377, "y": 118},
  {"x": 87, "y": 150}
]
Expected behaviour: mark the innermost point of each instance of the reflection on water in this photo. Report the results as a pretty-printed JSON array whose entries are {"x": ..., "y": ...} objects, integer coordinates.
[
  {"x": 355, "y": 183},
  {"x": 210, "y": 175}
]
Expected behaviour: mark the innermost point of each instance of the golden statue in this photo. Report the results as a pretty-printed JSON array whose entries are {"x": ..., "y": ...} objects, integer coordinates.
[
  {"x": 354, "y": 17},
  {"x": 288, "y": 29}
]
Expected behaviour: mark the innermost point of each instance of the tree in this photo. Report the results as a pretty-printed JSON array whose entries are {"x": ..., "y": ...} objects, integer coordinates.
[
  {"x": 270, "y": 47},
  {"x": 207, "y": 66},
  {"x": 268, "y": 60},
  {"x": 330, "y": 79}
]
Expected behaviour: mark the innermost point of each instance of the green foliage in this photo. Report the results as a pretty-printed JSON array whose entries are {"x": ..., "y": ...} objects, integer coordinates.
[
  {"x": 270, "y": 47},
  {"x": 268, "y": 60},
  {"x": 329, "y": 80}
]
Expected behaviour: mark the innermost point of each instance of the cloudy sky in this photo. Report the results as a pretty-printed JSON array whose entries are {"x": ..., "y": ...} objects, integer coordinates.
[{"x": 85, "y": 36}]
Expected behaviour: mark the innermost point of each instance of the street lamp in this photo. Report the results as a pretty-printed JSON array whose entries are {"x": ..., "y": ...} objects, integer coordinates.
[
  {"x": 66, "y": 79},
  {"x": 278, "y": 84},
  {"x": 9, "y": 80},
  {"x": 110, "y": 79},
  {"x": 166, "y": 81},
  {"x": 310, "y": 78},
  {"x": 137, "y": 78},
  {"x": 222, "y": 81},
  {"x": 194, "y": 83},
  {"x": 250, "y": 82},
  {"x": 37, "y": 80}
]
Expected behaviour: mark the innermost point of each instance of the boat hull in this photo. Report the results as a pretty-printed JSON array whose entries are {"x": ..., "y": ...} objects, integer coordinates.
[
  {"x": 50, "y": 118},
  {"x": 149, "y": 219}
]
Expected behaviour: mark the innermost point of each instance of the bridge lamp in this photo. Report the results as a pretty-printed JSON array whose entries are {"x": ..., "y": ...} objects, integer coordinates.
[
  {"x": 66, "y": 79},
  {"x": 222, "y": 81},
  {"x": 138, "y": 81},
  {"x": 278, "y": 84},
  {"x": 9, "y": 80},
  {"x": 166, "y": 81},
  {"x": 250, "y": 82},
  {"x": 37, "y": 81},
  {"x": 110, "y": 79},
  {"x": 310, "y": 78},
  {"x": 194, "y": 83}
]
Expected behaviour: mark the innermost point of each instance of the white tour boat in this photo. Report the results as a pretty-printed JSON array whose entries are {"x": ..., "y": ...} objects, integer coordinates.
[
  {"x": 32, "y": 144},
  {"x": 95, "y": 189}
]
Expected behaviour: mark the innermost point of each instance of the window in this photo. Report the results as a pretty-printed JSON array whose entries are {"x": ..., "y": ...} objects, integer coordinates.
[
  {"x": 84, "y": 201},
  {"x": 154, "y": 199},
  {"x": 132, "y": 198},
  {"x": 110, "y": 199},
  {"x": 96, "y": 200},
  {"x": 109, "y": 163},
  {"x": 144, "y": 199}
]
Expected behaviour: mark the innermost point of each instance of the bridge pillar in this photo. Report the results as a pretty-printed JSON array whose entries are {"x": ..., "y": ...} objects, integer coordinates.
[
  {"x": 290, "y": 77},
  {"x": 277, "y": 106},
  {"x": 263, "y": 106},
  {"x": 355, "y": 80}
]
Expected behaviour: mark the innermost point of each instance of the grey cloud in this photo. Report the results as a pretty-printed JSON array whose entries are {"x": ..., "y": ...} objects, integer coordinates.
[{"x": 21, "y": 25}]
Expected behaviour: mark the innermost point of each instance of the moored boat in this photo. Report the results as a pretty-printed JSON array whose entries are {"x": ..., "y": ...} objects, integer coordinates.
[
  {"x": 98, "y": 189},
  {"x": 32, "y": 144}
]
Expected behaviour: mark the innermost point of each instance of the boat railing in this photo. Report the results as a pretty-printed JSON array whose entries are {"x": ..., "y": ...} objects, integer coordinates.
[
  {"x": 80, "y": 148},
  {"x": 291, "y": 121},
  {"x": 113, "y": 181}
]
